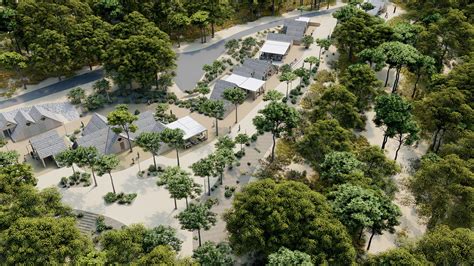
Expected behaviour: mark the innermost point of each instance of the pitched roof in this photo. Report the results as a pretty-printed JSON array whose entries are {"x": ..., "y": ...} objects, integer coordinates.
[
  {"x": 103, "y": 139},
  {"x": 279, "y": 37},
  {"x": 275, "y": 47},
  {"x": 146, "y": 123},
  {"x": 48, "y": 144},
  {"x": 38, "y": 112},
  {"x": 218, "y": 91},
  {"x": 96, "y": 123}
]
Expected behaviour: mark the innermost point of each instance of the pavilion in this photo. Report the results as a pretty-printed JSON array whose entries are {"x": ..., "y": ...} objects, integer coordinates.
[
  {"x": 193, "y": 131},
  {"x": 274, "y": 50},
  {"x": 47, "y": 145}
]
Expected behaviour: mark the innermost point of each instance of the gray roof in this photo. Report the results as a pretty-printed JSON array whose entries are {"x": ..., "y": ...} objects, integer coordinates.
[
  {"x": 38, "y": 112},
  {"x": 218, "y": 91},
  {"x": 260, "y": 68},
  {"x": 279, "y": 37},
  {"x": 295, "y": 23},
  {"x": 48, "y": 144},
  {"x": 146, "y": 123},
  {"x": 243, "y": 71},
  {"x": 100, "y": 135}
]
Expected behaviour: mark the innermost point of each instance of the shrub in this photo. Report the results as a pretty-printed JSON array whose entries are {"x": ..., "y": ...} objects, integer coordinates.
[
  {"x": 232, "y": 188},
  {"x": 80, "y": 215},
  {"x": 293, "y": 101},
  {"x": 239, "y": 154},
  {"x": 94, "y": 101},
  {"x": 77, "y": 131},
  {"x": 64, "y": 181},
  {"x": 254, "y": 137},
  {"x": 75, "y": 177},
  {"x": 85, "y": 177},
  {"x": 100, "y": 225},
  {"x": 126, "y": 198},
  {"x": 110, "y": 198},
  {"x": 152, "y": 168},
  {"x": 228, "y": 193},
  {"x": 72, "y": 138}
]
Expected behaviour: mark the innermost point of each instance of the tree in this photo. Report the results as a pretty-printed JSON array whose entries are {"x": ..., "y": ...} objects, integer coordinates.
[
  {"x": 140, "y": 52},
  {"x": 323, "y": 44},
  {"x": 122, "y": 121},
  {"x": 442, "y": 188},
  {"x": 204, "y": 168},
  {"x": 323, "y": 137},
  {"x": 161, "y": 235},
  {"x": 397, "y": 256},
  {"x": 87, "y": 156},
  {"x": 236, "y": 96},
  {"x": 225, "y": 142},
  {"x": 179, "y": 184},
  {"x": 76, "y": 95},
  {"x": 214, "y": 254},
  {"x": 16, "y": 62},
  {"x": 201, "y": 20},
  {"x": 105, "y": 165},
  {"x": 360, "y": 79},
  {"x": 287, "y": 77},
  {"x": 359, "y": 208},
  {"x": 102, "y": 86},
  {"x": 273, "y": 96},
  {"x": 407, "y": 135},
  {"x": 150, "y": 142},
  {"x": 462, "y": 147},
  {"x": 307, "y": 40},
  {"x": 276, "y": 118},
  {"x": 424, "y": 65},
  {"x": 378, "y": 168},
  {"x": 125, "y": 245},
  {"x": 341, "y": 168},
  {"x": 394, "y": 115},
  {"x": 446, "y": 110},
  {"x": 179, "y": 22},
  {"x": 66, "y": 158},
  {"x": 375, "y": 57},
  {"x": 301, "y": 73},
  {"x": 267, "y": 215},
  {"x": 288, "y": 257},
  {"x": 160, "y": 255},
  {"x": 241, "y": 139},
  {"x": 214, "y": 109},
  {"x": 8, "y": 158},
  {"x": 398, "y": 55},
  {"x": 50, "y": 54},
  {"x": 89, "y": 39},
  {"x": 338, "y": 103},
  {"x": 43, "y": 240},
  {"x": 174, "y": 138},
  {"x": 312, "y": 60},
  {"x": 220, "y": 159},
  {"x": 444, "y": 246},
  {"x": 197, "y": 217}
]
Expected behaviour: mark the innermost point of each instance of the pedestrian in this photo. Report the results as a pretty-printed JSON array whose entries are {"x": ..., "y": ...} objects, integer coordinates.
[
  {"x": 133, "y": 161},
  {"x": 394, "y": 9},
  {"x": 230, "y": 129},
  {"x": 82, "y": 124},
  {"x": 239, "y": 128},
  {"x": 386, "y": 15}
]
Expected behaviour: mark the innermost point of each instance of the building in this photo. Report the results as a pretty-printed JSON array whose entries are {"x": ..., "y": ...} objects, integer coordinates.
[
  {"x": 99, "y": 134},
  {"x": 255, "y": 68},
  {"x": 27, "y": 122},
  {"x": 46, "y": 146}
]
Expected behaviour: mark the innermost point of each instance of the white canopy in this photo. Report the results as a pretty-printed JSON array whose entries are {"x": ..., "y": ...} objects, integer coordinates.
[
  {"x": 189, "y": 126},
  {"x": 274, "y": 47},
  {"x": 305, "y": 19},
  {"x": 250, "y": 84}
]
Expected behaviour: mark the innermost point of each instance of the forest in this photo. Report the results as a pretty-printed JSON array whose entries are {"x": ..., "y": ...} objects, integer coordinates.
[{"x": 285, "y": 217}]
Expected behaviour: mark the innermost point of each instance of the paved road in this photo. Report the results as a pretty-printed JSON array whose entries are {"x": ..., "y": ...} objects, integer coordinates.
[
  {"x": 53, "y": 88},
  {"x": 189, "y": 69},
  {"x": 190, "y": 64}
]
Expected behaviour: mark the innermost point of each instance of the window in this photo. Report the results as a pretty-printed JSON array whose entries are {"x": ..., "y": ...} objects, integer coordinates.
[
  {"x": 28, "y": 123},
  {"x": 43, "y": 118},
  {"x": 119, "y": 139}
]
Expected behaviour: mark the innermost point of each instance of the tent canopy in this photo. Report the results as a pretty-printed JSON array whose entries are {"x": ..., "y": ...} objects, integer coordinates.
[
  {"x": 247, "y": 83},
  {"x": 275, "y": 47},
  {"x": 189, "y": 126}
]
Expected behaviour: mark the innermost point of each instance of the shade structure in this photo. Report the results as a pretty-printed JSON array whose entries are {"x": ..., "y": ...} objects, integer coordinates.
[
  {"x": 189, "y": 126},
  {"x": 275, "y": 47},
  {"x": 48, "y": 144},
  {"x": 246, "y": 83}
]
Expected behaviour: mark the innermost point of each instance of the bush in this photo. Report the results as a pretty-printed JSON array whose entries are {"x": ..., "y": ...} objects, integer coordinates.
[
  {"x": 80, "y": 215},
  {"x": 240, "y": 154},
  {"x": 64, "y": 181},
  {"x": 100, "y": 225},
  {"x": 293, "y": 101},
  {"x": 254, "y": 137},
  {"x": 228, "y": 193},
  {"x": 77, "y": 131},
  {"x": 94, "y": 101},
  {"x": 85, "y": 177},
  {"x": 152, "y": 168},
  {"x": 232, "y": 188},
  {"x": 110, "y": 198},
  {"x": 75, "y": 177},
  {"x": 126, "y": 198}
]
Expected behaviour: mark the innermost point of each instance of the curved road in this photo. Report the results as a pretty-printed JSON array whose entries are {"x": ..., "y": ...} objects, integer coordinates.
[{"x": 188, "y": 72}]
